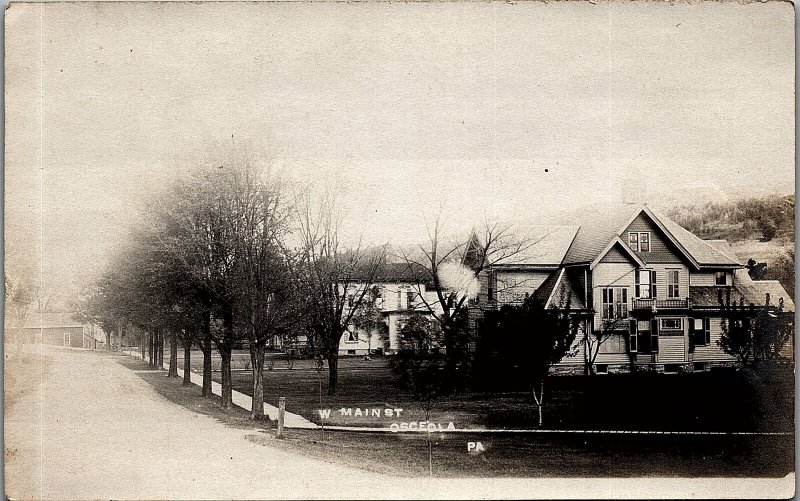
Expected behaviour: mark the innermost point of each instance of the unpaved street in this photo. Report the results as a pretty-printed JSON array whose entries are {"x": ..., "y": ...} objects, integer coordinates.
[
  {"x": 79, "y": 425},
  {"x": 104, "y": 433}
]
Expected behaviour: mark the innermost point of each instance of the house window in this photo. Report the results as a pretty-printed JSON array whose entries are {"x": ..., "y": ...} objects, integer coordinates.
[
  {"x": 601, "y": 369},
  {"x": 721, "y": 278},
  {"x": 399, "y": 300},
  {"x": 673, "y": 284},
  {"x": 615, "y": 343},
  {"x": 639, "y": 241},
  {"x": 701, "y": 331},
  {"x": 646, "y": 338},
  {"x": 633, "y": 344},
  {"x": 490, "y": 288},
  {"x": 67, "y": 339},
  {"x": 644, "y": 242},
  {"x": 350, "y": 300},
  {"x": 410, "y": 299},
  {"x": 615, "y": 303},
  {"x": 645, "y": 284},
  {"x": 671, "y": 368},
  {"x": 671, "y": 324},
  {"x": 633, "y": 241}
]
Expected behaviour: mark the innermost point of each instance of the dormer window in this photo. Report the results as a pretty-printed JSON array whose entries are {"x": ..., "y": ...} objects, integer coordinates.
[{"x": 639, "y": 241}]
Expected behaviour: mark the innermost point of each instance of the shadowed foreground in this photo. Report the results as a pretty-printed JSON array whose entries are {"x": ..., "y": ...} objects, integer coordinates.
[{"x": 104, "y": 432}]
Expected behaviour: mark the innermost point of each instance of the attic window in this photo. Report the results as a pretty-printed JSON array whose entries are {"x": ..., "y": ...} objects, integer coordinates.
[
  {"x": 644, "y": 242},
  {"x": 639, "y": 241}
]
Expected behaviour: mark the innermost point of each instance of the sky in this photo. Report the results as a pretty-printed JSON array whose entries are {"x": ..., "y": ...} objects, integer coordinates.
[{"x": 520, "y": 112}]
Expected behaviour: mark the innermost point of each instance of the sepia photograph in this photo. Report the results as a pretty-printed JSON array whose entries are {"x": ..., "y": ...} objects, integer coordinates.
[{"x": 385, "y": 250}]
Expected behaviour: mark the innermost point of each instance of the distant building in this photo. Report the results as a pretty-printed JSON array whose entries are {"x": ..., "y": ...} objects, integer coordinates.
[
  {"x": 655, "y": 286},
  {"x": 56, "y": 328},
  {"x": 399, "y": 291}
]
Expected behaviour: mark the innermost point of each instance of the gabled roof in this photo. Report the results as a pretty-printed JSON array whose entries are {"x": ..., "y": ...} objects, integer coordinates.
[
  {"x": 724, "y": 248},
  {"x": 397, "y": 273},
  {"x": 49, "y": 319},
  {"x": 596, "y": 235},
  {"x": 544, "y": 291},
  {"x": 702, "y": 251},
  {"x": 617, "y": 242},
  {"x": 557, "y": 289},
  {"x": 543, "y": 246}
]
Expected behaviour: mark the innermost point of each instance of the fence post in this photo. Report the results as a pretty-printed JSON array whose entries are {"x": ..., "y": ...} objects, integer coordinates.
[{"x": 281, "y": 412}]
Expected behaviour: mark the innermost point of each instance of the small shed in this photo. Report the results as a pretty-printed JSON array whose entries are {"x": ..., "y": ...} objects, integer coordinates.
[{"x": 55, "y": 328}]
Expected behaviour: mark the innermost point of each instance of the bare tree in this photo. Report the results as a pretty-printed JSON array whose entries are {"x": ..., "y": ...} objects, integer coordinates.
[
  {"x": 199, "y": 234},
  {"x": 262, "y": 283},
  {"x": 454, "y": 269},
  {"x": 332, "y": 281}
]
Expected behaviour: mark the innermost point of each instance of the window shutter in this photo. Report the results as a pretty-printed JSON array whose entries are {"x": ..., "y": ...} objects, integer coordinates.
[
  {"x": 654, "y": 336},
  {"x": 638, "y": 287},
  {"x": 707, "y": 330},
  {"x": 653, "y": 288},
  {"x": 632, "y": 341}
]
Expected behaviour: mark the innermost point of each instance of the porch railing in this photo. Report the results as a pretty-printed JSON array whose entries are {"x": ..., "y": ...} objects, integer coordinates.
[{"x": 661, "y": 304}]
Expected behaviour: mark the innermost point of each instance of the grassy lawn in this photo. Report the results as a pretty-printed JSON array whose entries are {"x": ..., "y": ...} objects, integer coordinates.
[
  {"x": 569, "y": 455},
  {"x": 724, "y": 400}
]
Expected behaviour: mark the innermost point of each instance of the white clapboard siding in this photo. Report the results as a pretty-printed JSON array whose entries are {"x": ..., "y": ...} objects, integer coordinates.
[
  {"x": 707, "y": 279},
  {"x": 671, "y": 349},
  {"x": 613, "y": 358},
  {"x": 712, "y": 352}
]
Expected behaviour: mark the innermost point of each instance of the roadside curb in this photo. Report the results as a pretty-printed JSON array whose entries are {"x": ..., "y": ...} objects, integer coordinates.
[{"x": 243, "y": 401}]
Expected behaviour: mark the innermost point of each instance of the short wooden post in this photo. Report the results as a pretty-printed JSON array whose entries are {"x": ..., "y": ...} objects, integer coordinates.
[{"x": 281, "y": 412}]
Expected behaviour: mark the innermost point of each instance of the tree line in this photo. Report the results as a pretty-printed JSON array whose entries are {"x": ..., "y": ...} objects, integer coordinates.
[{"x": 233, "y": 255}]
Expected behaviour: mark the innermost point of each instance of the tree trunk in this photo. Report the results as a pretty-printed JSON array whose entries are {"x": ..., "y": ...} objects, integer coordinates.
[
  {"x": 187, "y": 362},
  {"x": 108, "y": 341},
  {"x": 207, "y": 369},
  {"x": 155, "y": 349},
  {"x": 586, "y": 357},
  {"x": 206, "y": 347},
  {"x": 142, "y": 347},
  {"x": 227, "y": 390},
  {"x": 150, "y": 345},
  {"x": 173, "y": 355},
  {"x": 224, "y": 349},
  {"x": 539, "y": 400},
  {"x": 257, "y": 359},
  {"x": 160, "y": 349},
  {"x": 333, "y": 371}
]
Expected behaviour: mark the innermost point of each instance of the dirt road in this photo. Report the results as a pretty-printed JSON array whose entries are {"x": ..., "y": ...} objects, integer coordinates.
[
  {"x": 79, "y": 425},
  {"x": 104, "y": 433}
]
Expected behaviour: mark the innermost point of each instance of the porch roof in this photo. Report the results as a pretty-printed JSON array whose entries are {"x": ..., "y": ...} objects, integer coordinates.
[{"x": 747, "y": 289}]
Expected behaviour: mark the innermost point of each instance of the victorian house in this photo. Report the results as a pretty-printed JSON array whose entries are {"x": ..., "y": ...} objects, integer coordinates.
[
  {"x": 397, "y": 292},
  {"x": 653, "y": 288}
]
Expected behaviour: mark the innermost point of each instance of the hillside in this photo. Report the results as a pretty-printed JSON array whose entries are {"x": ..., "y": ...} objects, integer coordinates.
[
  {"x": 762, "y": 218},
  {"x": 760, "y": 229}
]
